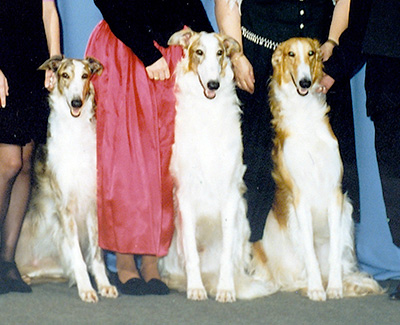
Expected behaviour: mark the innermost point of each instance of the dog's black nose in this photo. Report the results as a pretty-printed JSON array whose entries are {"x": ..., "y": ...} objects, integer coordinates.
[
  {"x": 213, "y": 85},
  {"x": 76, "y": 103},
  {"x": 305, "y": 83}
]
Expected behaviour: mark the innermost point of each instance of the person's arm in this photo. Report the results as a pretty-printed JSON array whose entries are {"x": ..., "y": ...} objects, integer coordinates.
[
  {"x": 3, "y": 89},
  {"x": 347, "y": 58},
  {"x": 339, "y": 23},
  {"x": 229, "y": 23},
  {"x": 52, "y": 29}
]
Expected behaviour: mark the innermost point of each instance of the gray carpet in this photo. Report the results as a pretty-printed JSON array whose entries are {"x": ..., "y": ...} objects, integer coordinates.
[{"x": 56, "y": 303}]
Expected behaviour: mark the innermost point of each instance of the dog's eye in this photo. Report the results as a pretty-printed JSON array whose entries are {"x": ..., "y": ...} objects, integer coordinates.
[
  {"x": 65, "y": 75},
  {"x": 220, "y": 52},
  {"x": 291, "y": 54},
  {"x": 85, "y": 76},
  {"x": 311, "y": 53},
  {"x": 199, "y": 52}
]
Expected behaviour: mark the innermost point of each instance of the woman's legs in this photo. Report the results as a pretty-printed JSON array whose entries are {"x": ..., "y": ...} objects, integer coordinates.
[{"x": 15, "y": 189}]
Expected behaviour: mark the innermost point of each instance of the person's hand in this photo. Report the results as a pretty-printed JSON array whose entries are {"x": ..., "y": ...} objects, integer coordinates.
[
  {"x": 243, "y": 71},
  {"x": 3, "y": 89},
  {"x": 325, "y": 84},
  {"x": 326, "y": 50},
  {"x": 49, "y": 80},
  {"x": 159, "y": 70}
]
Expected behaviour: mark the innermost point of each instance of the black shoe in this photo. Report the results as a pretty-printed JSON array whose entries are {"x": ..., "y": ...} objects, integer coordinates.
[
  {"x": 3, "y": 286},
  {"x": 133, "y": 287},
  {"x": 157, "y": 287},
  {"x": 12, "y": 278},
  {"x": 395, "y": 295}
]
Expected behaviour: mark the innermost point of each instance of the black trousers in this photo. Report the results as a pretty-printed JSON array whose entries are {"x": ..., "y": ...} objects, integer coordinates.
[{"x": 382, "y": 86}]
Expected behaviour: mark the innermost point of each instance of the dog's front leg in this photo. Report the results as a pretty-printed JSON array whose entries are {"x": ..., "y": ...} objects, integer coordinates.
[
  {"x": 97, "y": 266},
  {"x": 226, "y": 286},
  {"x": 335, "y": 284},
  {"x": 72, "y": 255},
  {"x": 195, "y": 287},
  {"x": 315, "y": 289}
]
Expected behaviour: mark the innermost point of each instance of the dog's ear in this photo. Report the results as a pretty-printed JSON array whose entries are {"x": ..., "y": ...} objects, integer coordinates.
[
  {"x": 94, "y": 65},
  {"x": 52, "y": 64},
  {"x": 277, "y": 56},
  {"x": 231, "y": 45},
  {"x": 317, "y": 46},
  {"x": 181, "y": 38}
]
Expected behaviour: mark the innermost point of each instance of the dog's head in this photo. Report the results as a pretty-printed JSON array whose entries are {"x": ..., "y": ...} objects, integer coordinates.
[
  {"x": 207, "y": 55},
  {"x": 298, "y": 61},
  {"x": 73, "y": 79}
]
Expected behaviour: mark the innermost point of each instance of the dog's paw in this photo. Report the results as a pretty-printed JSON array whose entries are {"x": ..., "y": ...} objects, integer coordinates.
[
  {"x": 316, "y": 294},
  {"x": 334, "y": 293},
  {"x": 225, "y": 296},
  {"x": 88, "y": 296},
  {"x": 108, "y": 291},
  {"x": 197, "y": 294}
]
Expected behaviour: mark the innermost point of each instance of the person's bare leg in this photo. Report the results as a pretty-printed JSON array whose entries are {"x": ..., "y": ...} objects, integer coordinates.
[
  {"x": 126, "y": 267},
  {"x": 149, "y": 268}
]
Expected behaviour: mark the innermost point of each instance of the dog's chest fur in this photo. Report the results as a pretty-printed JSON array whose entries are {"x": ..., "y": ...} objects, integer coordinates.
[
  {"x": 71, "y": 146},
  {"x": 308, "y": 148}
]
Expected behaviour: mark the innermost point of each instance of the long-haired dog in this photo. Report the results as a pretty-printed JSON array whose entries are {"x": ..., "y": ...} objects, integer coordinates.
[
  {"x": 59, "y": 235},
  {"x": 210, "y": 249},
  {"x": 308, "y": 239}
]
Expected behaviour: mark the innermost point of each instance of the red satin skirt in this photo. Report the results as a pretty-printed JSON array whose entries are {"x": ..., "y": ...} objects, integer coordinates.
[{"x": 135, "y": 124}]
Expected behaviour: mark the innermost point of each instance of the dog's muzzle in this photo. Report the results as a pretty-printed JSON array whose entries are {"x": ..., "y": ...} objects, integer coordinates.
[
  {"x": 76, "y": 107},
  {"x": 211, "y": 89}
]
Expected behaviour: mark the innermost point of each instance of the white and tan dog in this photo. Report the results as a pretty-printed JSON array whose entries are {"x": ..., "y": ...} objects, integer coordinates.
[
  {"x": 59, "y": 235},
  {"x": 308, "y": 239},
  {"x": 210, "y": 249}
]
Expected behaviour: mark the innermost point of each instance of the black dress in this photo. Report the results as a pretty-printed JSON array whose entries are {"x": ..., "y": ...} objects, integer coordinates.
[
  {"x": 23, "y": 48},
  {"x": 266, "y": 23}
]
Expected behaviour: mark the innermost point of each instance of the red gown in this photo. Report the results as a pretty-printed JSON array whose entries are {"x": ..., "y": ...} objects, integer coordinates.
[{"x": 135, "y": 123}]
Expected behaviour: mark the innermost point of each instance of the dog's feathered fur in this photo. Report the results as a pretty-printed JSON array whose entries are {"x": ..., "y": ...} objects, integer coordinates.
[
  {"x": 59, "y": 235},
  {"x": 308, "y": 238},
  {"x": 210, "y": 249}
]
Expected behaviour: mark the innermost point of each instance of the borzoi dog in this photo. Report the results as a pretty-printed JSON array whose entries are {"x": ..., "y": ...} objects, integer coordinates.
[
  {"x": 60, "y": 230},
  {"x": 211, "y": 235},
  {"x": 308, "y": 238}
]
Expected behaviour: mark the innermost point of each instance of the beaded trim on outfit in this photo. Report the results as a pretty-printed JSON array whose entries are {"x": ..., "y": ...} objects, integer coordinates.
[{"x": 260, "y": 40}]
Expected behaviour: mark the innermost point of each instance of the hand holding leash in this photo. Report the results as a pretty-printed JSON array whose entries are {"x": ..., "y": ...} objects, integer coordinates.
[{"x": 3, "y": 89}]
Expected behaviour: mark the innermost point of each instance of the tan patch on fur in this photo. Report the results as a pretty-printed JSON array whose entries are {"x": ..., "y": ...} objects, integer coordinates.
[{"x": 258, "y": 253}]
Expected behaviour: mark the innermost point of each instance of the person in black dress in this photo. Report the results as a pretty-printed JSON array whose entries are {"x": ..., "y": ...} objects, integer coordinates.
[
  {"x": 260, "y": 25},
  {"x": 373, "y": 38},
  {"x": 29, "y": 33}
]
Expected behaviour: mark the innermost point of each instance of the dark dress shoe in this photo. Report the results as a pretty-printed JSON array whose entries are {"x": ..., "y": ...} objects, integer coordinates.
[
  {"x": 133, "y": 287},
  {"x": 12, "y": 278},
  {"x": 3, "y": 286},
  {"x": 157, "y": 287},
  {"x": 395, "y": 295}
]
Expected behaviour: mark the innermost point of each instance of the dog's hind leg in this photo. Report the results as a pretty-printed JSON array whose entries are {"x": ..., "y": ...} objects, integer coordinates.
[
  {"x": 96, "y": 260},
  {"x": 72, "y": 255},
  {"x": 195, "y": 286}
]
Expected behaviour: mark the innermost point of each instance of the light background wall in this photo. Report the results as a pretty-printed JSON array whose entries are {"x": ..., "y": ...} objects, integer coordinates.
[{"x": 376, "y": 253}]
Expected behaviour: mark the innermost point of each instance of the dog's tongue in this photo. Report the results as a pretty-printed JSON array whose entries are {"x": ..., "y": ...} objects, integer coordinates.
[
  {"x": 75, "y": 112},
  {"x": 210, "y": 94},
  {"x": 302, "y": 91}
]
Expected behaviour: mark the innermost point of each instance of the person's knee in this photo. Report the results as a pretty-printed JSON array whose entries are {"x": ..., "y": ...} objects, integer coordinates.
[{"x": 10, "y": 166}]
